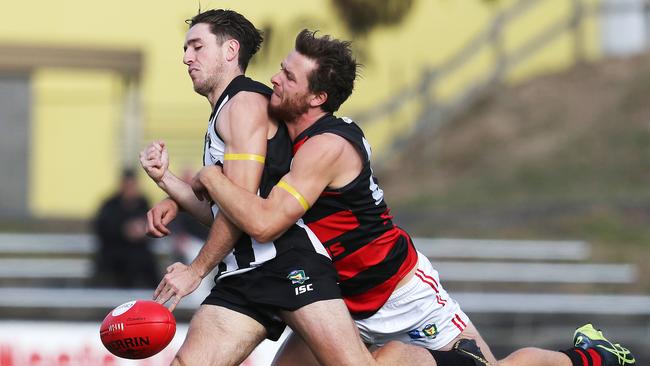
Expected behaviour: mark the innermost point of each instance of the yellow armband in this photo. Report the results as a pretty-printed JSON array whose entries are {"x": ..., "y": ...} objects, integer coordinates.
[
  {"x": 292, "y": 191},
  {"x": 253, "y": 157}
]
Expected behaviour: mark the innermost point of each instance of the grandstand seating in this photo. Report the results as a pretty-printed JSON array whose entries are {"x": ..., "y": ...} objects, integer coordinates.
[{"x": 503, "y": 285}]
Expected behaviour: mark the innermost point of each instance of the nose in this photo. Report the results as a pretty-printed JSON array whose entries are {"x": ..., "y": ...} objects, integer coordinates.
[
  {"x": 187, "y": 57},
  {"x": 275, "y": 79}
]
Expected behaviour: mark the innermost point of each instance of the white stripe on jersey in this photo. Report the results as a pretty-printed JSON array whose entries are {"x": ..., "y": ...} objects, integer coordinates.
[
  {"x": 318, "y": 246},
  {"x": 263, "y": 253},
  {"x": 214, "y": 147}
]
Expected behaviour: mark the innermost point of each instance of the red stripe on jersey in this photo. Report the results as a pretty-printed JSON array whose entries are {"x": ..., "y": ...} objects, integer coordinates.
[
  {"x": 332, "y": 226},
  {"x": 428, "y": 277},
  {"x": 298, "y": 144},
  {"x": 367, "y": 256},
  {"x": 373, "y": 299},
  {"x": 386, "y": 215},
  {"x": 595, "y": 357},
  {"x": 330, "y": 194}
]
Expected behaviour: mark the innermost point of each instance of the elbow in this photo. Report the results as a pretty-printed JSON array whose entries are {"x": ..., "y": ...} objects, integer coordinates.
[
  {"x": 265, "y": 233},
  {"x": 264, "y": 237}
]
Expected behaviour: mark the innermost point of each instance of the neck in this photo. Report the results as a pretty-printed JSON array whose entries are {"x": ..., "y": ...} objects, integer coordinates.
[
  {"x": 223, "y": 80},
  {"x": 304, "y": 121}
]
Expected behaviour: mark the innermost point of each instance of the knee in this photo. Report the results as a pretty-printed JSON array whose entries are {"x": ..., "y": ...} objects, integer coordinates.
[
  {"x": 393, "y": 345},
  {"x": 396, "y": 353}
]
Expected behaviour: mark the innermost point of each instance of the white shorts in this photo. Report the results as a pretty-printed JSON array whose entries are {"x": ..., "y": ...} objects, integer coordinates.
[{"x": 420, "y": 313}]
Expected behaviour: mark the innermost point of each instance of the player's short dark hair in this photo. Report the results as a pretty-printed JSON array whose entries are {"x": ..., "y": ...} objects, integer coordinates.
[
  {"x": 336, "y": 67},
  {"x": 229, "y": 24}
]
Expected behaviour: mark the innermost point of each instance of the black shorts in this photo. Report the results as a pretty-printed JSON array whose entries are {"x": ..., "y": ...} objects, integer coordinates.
[{"x": 288, "y": 282}]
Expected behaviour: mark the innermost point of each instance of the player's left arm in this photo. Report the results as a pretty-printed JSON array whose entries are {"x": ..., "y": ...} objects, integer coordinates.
[
  {"x": 314, "y": 167},
  {"x": 245, "y": 134}
]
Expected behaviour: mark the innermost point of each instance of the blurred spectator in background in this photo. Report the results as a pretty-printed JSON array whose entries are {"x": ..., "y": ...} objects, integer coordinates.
[{"x": 124, "y": 257}]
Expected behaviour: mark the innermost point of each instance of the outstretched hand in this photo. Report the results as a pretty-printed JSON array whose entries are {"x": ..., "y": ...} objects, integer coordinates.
[{"x": 180, "y": 281}]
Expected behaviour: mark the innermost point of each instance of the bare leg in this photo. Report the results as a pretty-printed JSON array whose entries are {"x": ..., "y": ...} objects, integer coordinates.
[
  {"x": 294, "y": 351},
  {"x": 522, "y": 357},
  {"x": 536, "y": 357},
  {"x": 398, "y": 354},
  {"x": 332, "y": 335},
  {"x": 219, "y": 336}
]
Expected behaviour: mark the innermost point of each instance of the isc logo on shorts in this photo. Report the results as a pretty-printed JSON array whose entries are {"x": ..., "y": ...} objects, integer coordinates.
[
  {"x": 304, "y": 288},
  {"x": 298, "y": 277}
]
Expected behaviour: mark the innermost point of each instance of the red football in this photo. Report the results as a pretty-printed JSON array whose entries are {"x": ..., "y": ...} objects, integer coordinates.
[{"x": 137, "y": 329}]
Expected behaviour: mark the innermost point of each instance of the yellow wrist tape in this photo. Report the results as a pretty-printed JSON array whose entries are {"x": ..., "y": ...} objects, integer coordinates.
[
  {"x": 253, "y": 157},
  {"x": 292, "y": 191}
]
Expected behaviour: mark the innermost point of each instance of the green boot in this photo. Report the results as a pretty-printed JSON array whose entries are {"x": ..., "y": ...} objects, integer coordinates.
[{"x": 587, "y": 337}]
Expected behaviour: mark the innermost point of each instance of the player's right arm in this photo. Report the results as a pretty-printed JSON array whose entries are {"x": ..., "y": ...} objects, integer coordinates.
[
  {"x": 155, "y": 162},
  {"x": 323, "y": 161}
]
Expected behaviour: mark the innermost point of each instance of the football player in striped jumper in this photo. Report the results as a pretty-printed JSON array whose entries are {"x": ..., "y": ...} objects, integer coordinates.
[
  {"x": 261, "y": 285},
  {"x": 391, "y": 290}
]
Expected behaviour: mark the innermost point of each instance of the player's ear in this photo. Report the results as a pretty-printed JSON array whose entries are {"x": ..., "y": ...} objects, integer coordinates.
[
  {"x": 232, "y": 49},
  {"x": 318, "y": 99}
]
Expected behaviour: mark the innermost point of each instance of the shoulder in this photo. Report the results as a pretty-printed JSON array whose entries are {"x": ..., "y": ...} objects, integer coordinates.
[
  {"x": 245, "y": 109},
  {"x": 247, "y": 104},
  {"x": 248, "y": 99},
  {"x": 324, "y": 146}
]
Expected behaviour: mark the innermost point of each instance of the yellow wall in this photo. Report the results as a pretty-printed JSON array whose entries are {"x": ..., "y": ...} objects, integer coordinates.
[
  {"x": 74, "y": 141},
  {"x": 77, "y": 115}
]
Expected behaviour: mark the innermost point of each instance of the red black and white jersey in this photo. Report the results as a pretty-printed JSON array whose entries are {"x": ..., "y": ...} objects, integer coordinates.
[
  {"x": 370, "y": 254},
  {"x": 248, "y": 253}
]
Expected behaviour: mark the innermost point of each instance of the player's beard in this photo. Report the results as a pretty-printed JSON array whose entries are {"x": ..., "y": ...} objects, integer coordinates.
[
  {"x": 205, "y": 87},
  {"x": 289, "y": 109}
]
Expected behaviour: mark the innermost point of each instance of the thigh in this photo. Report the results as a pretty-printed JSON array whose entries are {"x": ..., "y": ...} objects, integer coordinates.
[
  {"x": 294, "y": 351},
  {"x": 420, "y": 312},
  {"x": 219, "y": 336},
  {"x": 327, "y": 327}
]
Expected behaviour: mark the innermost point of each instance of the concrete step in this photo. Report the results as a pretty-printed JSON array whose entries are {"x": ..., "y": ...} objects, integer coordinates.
[{"x": 533, "y": 250}]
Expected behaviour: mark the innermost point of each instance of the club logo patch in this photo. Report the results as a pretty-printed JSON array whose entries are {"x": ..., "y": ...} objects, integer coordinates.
[
  {"x": 297, "y": 277},
  {"x": 415, "y": 334},
  {"x": 430, "y": 330}
]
